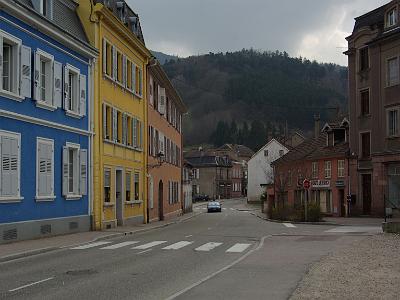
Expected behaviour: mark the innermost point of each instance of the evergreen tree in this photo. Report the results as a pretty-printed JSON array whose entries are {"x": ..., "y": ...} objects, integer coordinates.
[
  {"x": 257, "y": 135},
  {"x": 233, "y": 133}
]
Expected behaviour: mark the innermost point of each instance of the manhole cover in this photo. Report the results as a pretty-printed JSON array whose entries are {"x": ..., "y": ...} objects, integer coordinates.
[{"x": 81, "y": 272}]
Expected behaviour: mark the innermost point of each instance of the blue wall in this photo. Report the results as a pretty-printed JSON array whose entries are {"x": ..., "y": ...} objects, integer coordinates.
[{"x": 29, "y": 208}]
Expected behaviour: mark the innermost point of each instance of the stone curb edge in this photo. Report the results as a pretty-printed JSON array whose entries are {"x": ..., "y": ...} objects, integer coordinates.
[
  {"x": 106, "y": 237},
  {"x": 304, "y": 223}
]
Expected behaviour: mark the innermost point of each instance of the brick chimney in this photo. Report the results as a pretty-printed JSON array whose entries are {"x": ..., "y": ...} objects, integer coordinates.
[{"x": 317, "y": 125}]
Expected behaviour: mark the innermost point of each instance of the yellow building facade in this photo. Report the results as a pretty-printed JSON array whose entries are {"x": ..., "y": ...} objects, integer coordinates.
[{"x": 119, "y": 113}]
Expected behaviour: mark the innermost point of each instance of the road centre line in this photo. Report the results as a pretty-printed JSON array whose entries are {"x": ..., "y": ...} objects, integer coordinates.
[
  {"x": 181, "y": 292},
  {"x": 31, "y": 284}
]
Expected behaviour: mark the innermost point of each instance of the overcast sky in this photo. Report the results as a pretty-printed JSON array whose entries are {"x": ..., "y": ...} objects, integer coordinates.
[{"x": 315, "y": 29}]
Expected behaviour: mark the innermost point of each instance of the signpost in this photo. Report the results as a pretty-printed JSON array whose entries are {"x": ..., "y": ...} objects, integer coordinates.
[{"x": 306, "y": 186}]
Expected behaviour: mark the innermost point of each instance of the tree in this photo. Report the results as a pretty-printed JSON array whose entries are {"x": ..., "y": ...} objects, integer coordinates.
[{"x": 257, "y": 135}]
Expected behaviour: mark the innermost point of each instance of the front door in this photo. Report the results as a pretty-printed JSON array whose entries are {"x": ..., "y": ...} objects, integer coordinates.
[
  {"x": 119, "y": 197},
  {"x": 161, "y": 200},
  {"x": 367, "y": 194}
]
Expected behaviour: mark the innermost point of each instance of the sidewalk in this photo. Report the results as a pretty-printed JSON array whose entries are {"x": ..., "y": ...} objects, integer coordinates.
[{"x": 33, "y": 247}]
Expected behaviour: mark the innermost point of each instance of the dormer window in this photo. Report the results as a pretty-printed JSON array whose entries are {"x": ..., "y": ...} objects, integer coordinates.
[
  {"x": 391, "y": 18},
  {"x": 44, "y": 7},
  {"x": 133, "y": 23},
  {"x": 121, "y": 10}
]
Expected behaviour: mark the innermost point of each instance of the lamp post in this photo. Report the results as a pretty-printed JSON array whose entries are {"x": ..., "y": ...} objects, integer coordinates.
[{"x": 160, "y": 160}]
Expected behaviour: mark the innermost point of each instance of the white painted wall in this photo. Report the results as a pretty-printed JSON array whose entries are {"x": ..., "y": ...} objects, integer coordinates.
[{"x": 260, "y": 170}]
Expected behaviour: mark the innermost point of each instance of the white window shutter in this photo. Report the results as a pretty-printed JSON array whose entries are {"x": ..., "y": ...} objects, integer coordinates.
[
  {"x": 161, "y": 143},
  {"x": 140, "y": 92},
  {"x": 151, "y": 91},
  {"x": 124, "y": 129},
  {"x": 36, "y": 77},
  {"x": 41, "y": 165},
  {"x": 135, "y": 130},
  {"x": 115, "y": 125},
  {"x": 26, "y": 72},
  {"x": 1, "y": 62},
  {"x": 9, "y": 166},
  {"x": 83, "y": 172},
  {"x": 65, "y": 164},
  {"x": 57, "y": 90},
  {"x": 82, "y": 95},
  {"x": 161, "y": 100},
  {"x": 114, "y": 62},
  {"x": 104, "y": 56},
  {"x": 50, "y": 169},
  {"x": 104, "y": 121},
  {"x": 133, "y": 78},
  {"x": 124, "y": 69},
  {"x": 66, "y": 88}
]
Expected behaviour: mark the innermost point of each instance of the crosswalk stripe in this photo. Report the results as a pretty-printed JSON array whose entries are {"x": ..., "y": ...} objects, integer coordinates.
[
  {"x": 149, "y": 245},
  {"x": 208, "y": 246},
  {"x": 91, "y": 245},
  {"x": 178, "y": 245},
  {"x": 289, "y": 225},
  {"x": 119, "y": 245},
  {"x": 237, "y": 248}
]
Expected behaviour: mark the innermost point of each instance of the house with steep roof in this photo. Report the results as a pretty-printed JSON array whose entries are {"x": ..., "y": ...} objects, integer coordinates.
[
  {"x": 46, "y": 67},
  {"x": 324, "y": 161}
]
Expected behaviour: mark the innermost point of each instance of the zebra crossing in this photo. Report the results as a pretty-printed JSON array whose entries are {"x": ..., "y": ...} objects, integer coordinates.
[{"x": 164, "y": 245}]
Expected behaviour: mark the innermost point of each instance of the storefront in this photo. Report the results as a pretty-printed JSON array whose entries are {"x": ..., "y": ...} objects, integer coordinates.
[{"x": 321, "y": 194}]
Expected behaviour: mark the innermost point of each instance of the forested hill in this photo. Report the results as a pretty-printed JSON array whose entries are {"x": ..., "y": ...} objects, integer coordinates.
[{"x": 270, "y": 88}]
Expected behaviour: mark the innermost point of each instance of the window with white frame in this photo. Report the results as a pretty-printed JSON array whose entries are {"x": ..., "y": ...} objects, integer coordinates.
[
  {"x": 266, "y": 153},
  {"x": 393, "y": 71},
  {"x": 391, "y": 17},
  {"x": 341, "y": 168},
  {"x": 10, "y": 169},
  {"x": 393, "y": 122},
  {"x": 328, "y": 169},
  {"x": 314, "y": 169},
  {"x": 107, "y": 185},
  {"x": 139, "y": 82},
  {"x": 44, "y": 169},
  {"x": 44, "y": 7},
  {"x": 74, "y": 171},
  {"x": 74, "y": 91},
  {"x": 43, "y": 88}
]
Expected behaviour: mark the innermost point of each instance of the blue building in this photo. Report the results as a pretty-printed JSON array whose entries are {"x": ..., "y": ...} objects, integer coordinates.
[{"x": 46, "y": 67}]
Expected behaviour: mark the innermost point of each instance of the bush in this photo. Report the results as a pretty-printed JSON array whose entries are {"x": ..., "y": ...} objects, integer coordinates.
[{"x": 297, "y": 214}]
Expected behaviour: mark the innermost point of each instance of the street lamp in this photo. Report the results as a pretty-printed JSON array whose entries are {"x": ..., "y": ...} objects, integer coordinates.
[{"x": 160, "y": 159}]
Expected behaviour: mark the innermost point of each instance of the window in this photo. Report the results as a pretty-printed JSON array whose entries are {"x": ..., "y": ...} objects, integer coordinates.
[
  {"x": 128, "y": 179},
  {"x": 43, "y": 88},
  {"x": 341, "y": 168},
  {"x": 107, "y": 124},
  {"x": 266, "y": 153},
  {"x": 393, "y": 71},
  {"x": 364, "y": 102},
  {"x": 44, "y": 7},
  {"x": 119, "y": 127},
  {"x": 107, "y": 58},
  {"x": 44, "y": 169},
  {"x": 10, "y": 165},
  {"x": 281, "y": 152},
  {"x": 137, "y": 186},
  {"x": 107, "y": 185},
  {"x": 119, "y": 67},
  {"x": 393, "y": 122},
  {"x": 139, "y": 82},
  {"x": 391, "y": 18},
  {"x": 314, "y": 170},
  {"x": 364, "y": 59},
  {"x": 129, "y": 77},
  {"x": 74, "y": 171},
  {"x": 75, "y": 91},
  {"x": 328, "y": 169},
  {"x": 365, "y": 145}
]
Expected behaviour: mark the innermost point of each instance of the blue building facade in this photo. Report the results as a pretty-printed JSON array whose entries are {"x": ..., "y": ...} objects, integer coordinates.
[{"x": 46, "y": 68}]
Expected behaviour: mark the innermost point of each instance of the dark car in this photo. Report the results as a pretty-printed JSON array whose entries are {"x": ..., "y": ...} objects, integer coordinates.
[
  {"x": 214, "y": 206},
  {"x": 200, "y": 197}
]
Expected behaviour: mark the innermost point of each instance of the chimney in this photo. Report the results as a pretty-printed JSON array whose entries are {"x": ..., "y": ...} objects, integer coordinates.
[{"x": 317, "y": 125}]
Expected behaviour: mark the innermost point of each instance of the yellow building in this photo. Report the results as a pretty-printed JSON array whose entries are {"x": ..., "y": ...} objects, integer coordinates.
[{"x": 119, "y": 113}]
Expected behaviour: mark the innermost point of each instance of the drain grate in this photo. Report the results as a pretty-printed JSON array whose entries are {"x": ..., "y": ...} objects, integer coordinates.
[{"x": 11, "y": 234}]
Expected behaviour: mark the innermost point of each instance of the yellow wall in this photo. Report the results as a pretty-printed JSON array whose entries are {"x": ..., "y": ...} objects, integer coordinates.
[{"x": 105, "y": 154}]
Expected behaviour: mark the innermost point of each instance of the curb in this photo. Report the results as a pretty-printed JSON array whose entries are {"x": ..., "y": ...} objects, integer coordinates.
[
  {"x": 303, "y": 223},
  {"x": 101, "y": 238}
]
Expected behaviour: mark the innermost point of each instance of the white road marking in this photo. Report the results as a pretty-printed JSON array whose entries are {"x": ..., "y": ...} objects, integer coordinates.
[
  {"x": 238, "y": 248},
  {"x": 290, "y": 225},
  {"x": 120, "y": 245},
  {"x": 208, "y": 246},
  {"x": 31, "y": 284},
  {"x": 91, "y": 245},
  {"x": 149, "y": 245},
  {"x": 224, "y": 208},
  {"x": 355, "y": 229},
  {"x": 188, "y": 236},
  {"x": 178, "y": 245},
  {"x": 232, "y": 208},
  {"x": 145, "y": 251}
]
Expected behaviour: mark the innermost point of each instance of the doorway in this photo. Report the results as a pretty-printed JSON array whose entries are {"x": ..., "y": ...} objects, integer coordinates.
[
  {"x": 367, "y": 193},
  {"x": 161, "y": 200},
  {"x": 119, "y": 198}
]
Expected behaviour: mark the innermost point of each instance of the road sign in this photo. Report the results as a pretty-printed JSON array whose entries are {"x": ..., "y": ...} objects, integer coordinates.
[{"x": 306, "y": 184}]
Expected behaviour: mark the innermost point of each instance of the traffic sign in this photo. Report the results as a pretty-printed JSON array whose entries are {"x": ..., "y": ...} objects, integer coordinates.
[{"x": 306, "y": 184}]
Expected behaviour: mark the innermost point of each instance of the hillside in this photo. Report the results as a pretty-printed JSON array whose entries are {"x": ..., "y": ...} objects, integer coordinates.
[
  {"x": 267, "y": 89},
  {"x": 162, "y": 57}
]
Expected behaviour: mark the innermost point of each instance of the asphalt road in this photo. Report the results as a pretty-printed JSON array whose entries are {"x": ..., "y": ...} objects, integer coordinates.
[{"x": 228, "y": 255}]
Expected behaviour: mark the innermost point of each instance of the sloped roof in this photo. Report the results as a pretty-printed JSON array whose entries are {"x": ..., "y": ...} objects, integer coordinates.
[
  {"x": 209, "y": 161},
  {"x": 240, "y": 150}
]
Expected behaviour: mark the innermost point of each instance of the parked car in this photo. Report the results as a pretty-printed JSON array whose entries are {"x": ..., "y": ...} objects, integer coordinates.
[
  {"x": 214, "y": 206},
  {"x": 201, "y": 197}
]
